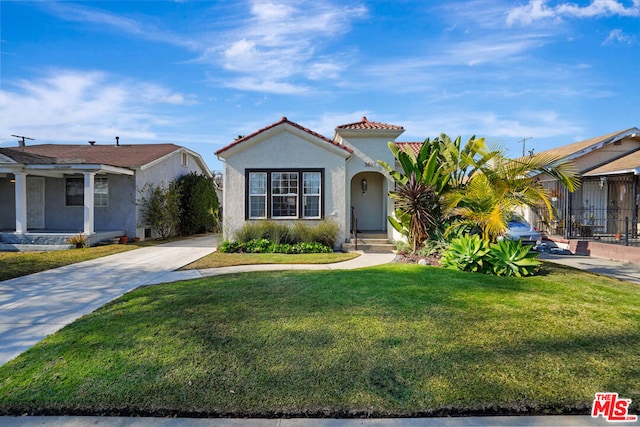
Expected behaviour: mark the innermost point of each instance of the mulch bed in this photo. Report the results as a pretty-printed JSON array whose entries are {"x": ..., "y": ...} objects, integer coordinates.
[{"x": 415, "y": 259}]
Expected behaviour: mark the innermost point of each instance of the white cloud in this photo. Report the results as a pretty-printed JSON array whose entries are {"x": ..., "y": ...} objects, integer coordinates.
[
  {"x": 278, "y": 42},
  {"x": 71, "y": 106},
  {"x": 538, "y": 9},
  {"x": 618, "y": 36}
]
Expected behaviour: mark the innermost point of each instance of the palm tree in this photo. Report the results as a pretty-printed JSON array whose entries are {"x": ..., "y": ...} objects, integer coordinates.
[{"x": 498, "y": 188}]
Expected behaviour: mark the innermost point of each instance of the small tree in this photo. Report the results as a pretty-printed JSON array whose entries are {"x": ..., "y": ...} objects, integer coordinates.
[
  {"x": 161, "y": 208},
  {"x": 199, "y": 204},
  {"x": 417, "y": 210}
]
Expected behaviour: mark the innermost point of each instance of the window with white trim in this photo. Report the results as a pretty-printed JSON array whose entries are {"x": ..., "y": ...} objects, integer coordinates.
[
  {"x": 101, "y": 192},
  {"x": 258, "y": 195},
  {"x": 311, "y": 187},
  {"x": 284, "y": 193}
]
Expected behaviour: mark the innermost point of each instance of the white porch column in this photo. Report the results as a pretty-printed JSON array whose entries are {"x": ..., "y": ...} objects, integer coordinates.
[
  {"x": 89, "y": 184},
  {"x": 21, "y": 202}
]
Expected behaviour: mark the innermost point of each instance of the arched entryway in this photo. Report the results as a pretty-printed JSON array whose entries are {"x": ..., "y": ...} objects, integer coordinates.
[{"x": 368, "y": 198}]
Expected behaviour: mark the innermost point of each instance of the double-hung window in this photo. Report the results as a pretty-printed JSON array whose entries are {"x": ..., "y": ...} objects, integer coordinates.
[
  {"x": 284, "y": 194},
  {"x": 311, "y": 194},
  {"x": 257, "y": 195}
]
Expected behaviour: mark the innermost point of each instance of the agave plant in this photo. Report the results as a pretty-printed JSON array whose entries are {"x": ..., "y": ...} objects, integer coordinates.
[
  {"x": 467, "y": 253},
  {"x": 511, "y": 258}
]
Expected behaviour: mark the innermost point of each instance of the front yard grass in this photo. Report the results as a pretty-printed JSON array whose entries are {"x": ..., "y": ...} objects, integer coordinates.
[
  {"x": 219, "y": 259},
  {"x": 393, "y": 340}
]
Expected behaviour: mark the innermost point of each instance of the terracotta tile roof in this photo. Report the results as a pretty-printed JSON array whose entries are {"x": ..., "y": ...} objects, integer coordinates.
[
  {"x": 282, "y": 121},
  {"x": 126, "y": 156},
  {"x": 366, "y": 124},
  {"x": 414, "y": 147}
]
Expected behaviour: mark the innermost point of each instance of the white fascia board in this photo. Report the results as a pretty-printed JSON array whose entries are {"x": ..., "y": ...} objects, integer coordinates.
[
  {"x": 197, "y": 156},
  {"x": 7, "y": 159},
  {"x": 391, "y": 134},
  {"x": 76, "y": 168}
]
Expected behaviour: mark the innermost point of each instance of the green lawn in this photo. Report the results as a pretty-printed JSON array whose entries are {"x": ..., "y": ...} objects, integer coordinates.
[{"x": 390, "y": 340}]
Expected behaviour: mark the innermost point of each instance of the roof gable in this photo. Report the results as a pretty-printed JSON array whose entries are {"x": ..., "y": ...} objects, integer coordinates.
[
  {"x": 284, "y": 122},
  {"x": 577, "y": 149}
]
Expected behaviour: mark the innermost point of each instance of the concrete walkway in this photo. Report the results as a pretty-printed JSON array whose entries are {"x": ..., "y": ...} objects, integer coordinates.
[
  {"x": 34, "y": 306},
  {"x": 606, "y": 267}
]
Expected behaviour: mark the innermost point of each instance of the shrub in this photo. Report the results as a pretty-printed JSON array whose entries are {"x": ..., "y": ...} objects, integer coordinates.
[
  {"x": 79, "y": 241},
  {"x": 511, "y": 258},
  {"x": 276, "y": 232},
  {"x": 467, "y": 253},
  {"x": 250, "y": 231},
  {"x": 231, "y": 247},
  {"x": 160, "y": 207},
  {"x": 266, "y": 246},
  {"x": 300, "y": 232},
  {"x": 258, "y": 246},
  {"x": 199, "y": 204},
  {"x": 325, "y": 233}
]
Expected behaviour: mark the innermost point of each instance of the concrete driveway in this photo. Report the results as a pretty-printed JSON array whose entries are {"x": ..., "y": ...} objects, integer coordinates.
[{"x": 34, "y": 306}]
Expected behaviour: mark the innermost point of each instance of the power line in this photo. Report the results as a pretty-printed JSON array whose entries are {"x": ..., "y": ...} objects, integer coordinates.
[{"x": 524, "y": 141}]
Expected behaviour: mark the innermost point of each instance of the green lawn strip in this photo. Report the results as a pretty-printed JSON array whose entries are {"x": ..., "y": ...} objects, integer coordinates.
[
  {"x": 16, "y": 264},
  {"x": 218, "y": 259},
  {"x": 396, "y": 339}
]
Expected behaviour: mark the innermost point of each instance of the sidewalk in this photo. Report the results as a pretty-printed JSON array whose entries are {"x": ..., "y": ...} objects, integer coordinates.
[{"x": 606, "y": 267}]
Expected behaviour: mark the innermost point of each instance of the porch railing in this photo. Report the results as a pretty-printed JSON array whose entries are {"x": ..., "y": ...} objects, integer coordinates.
[{"x": 354, "y": 225}]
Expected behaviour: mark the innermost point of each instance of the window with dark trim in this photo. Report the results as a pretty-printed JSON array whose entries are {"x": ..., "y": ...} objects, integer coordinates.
[
  {"x": 74, "y": 192},
  {"x": 284, "y": 193}
]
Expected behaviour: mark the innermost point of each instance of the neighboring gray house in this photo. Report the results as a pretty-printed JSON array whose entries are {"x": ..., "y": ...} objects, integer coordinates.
[
  {"x": 51, "y": 190},
  {"x": 286, "y": 172}
]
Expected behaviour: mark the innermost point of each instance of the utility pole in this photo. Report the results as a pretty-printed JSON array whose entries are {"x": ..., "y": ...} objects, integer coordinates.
[
  {"x": 23, "y": 143},
  {"x": 523, "y": 141}
]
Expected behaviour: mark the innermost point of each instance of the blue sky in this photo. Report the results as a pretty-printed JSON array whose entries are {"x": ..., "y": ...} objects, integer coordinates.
[{"x": 199, "y": 73}]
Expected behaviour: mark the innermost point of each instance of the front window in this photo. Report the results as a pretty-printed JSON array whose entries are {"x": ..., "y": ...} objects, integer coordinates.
[
  {"x": 284, "y": 194},
  {"x": 258, "y": 195},
  {"x": 311, "y": 194},
  {"x": 74, "y": 192}
]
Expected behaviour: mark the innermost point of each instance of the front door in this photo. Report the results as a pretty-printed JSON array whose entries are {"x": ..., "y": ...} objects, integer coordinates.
[
  {"x": 35, "y": 202},
  {"x": 368, "y": 199}
]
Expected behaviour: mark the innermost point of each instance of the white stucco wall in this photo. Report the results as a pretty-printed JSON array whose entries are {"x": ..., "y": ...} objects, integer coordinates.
[
  {"x": 284, "y": 148},
  {"x": 163, "y": 172}
]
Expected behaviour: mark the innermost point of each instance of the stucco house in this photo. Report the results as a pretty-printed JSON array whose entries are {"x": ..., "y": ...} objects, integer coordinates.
[
  {"x": 606, "y": 206},
  {"x": 49, "y": 192},
  {"x": 286, "y": 172}
]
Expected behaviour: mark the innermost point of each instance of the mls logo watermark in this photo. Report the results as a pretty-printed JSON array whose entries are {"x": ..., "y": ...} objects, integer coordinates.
[{"x": 612, "y": 408}]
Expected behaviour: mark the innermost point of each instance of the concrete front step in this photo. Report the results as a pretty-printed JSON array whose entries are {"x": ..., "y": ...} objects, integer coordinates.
[
  {"x": 370, "y": 245},
  {"x": 369, "y": 248}
]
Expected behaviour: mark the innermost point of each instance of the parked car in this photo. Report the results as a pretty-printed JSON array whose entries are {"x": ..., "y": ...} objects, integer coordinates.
[{"x": 520, "y": 229}]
